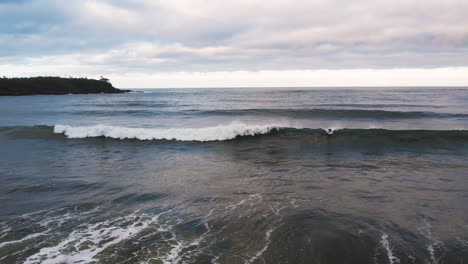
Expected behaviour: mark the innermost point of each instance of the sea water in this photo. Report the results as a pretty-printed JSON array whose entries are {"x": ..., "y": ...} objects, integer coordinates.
[{"x": 236, "y": 176}]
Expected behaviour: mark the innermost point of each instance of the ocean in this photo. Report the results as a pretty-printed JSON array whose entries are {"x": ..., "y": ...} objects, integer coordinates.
[{"x": 271, "y": 175}]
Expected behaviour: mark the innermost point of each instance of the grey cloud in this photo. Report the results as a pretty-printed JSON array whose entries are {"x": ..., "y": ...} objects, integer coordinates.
[{"x": 183, "y": 35}]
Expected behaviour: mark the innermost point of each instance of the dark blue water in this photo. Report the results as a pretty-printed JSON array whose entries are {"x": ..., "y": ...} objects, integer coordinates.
[{"x": 236, "y": 176}]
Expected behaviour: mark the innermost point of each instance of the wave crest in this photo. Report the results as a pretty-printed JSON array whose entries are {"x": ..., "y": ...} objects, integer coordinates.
[
  {"x": 215, "y": 133},
  {"x": 278, "y": 133}
]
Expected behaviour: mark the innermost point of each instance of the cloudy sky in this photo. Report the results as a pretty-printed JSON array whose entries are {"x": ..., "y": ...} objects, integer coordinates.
[{"x": 210, "y": 43}]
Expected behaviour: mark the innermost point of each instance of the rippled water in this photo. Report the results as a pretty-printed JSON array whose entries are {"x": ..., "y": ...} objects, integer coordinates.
[{"x": 236, "y": 176}]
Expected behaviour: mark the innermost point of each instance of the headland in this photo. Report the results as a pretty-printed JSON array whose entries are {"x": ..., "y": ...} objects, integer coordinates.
[{"x": 55, "y": 86}]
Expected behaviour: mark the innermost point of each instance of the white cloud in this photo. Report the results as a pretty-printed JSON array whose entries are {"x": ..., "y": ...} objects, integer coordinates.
[
  {"x": 448, "y": 76},
  {"x": 301, "y": 78},
  {"x": 158, "y": 36}
]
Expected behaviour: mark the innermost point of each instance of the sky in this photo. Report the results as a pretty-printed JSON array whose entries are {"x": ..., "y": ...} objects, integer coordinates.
[{"x": 242, "y": 43}]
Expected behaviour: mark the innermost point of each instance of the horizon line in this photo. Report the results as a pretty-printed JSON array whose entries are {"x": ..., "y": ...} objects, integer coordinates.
[{"x": 294, "y": 87}]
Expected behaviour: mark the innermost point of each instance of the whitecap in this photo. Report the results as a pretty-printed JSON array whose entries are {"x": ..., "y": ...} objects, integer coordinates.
[{"x": 214, "y": 133}]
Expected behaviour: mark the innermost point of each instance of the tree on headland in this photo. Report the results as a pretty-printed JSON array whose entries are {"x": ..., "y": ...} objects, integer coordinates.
[{"x": 55, "y": 85}]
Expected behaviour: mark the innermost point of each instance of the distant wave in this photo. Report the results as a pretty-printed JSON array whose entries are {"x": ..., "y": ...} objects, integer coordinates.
[
  {"x": 276, "y": 132},
  {"x": 313, "y": 113},
  {"x": 119, "y": 105},
  {"x": 333, "y": 113},
  {"x": 215, "y": 133}
]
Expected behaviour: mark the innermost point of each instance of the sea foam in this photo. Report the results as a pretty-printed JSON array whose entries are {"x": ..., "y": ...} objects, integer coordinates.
[
  {"x": 386, "y": 244},
  {"x": 214, "y": 133}
]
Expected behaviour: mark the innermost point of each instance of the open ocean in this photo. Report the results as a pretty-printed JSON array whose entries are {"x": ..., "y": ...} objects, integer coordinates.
[{"x": 236, "y": 176}]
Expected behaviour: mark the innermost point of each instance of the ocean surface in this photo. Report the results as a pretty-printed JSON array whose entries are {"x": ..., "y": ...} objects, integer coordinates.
[{"x": 236, "y": 176}]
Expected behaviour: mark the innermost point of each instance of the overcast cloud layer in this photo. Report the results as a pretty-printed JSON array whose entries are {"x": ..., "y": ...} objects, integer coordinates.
[{"x": 147, "y": 37}]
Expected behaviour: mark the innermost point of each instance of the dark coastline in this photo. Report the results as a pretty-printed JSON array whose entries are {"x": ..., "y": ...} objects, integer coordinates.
[{"x": 54, "y": 86}]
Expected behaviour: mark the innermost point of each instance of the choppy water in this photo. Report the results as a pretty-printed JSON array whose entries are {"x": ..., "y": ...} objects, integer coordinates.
[{"x": 236, "y": 176}]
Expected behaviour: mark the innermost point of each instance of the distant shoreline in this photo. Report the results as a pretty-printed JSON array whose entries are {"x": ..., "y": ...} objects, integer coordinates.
[{"x": 55, "y": 86}]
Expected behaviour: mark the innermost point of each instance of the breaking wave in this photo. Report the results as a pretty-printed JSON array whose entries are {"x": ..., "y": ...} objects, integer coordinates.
[
  {"x": 234, "y": 131},
  {"x": 237, "y": 130},
  {"x": 215, "y": 133}
]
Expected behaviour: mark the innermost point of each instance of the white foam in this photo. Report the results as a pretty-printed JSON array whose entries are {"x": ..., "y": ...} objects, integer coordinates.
[
  {"x": 181, "y": 248},
  {"x": 243, "y": 201},
  {"x": 435, "y": 245},
  {"x": 215, "y": 133},
  {"x": 234, "y": 206},
  {"x": 4, "y": 231},
  {"x": 259, "y": 253},
  {"x": 87, "y": 241},
  {"x": 97, "y": 237},
  {"x": 331, "y": 130},
  {"x": 30, "y": 236},
  {"x": 386, "y": 244},
  {"x": 293, "y": 203}
]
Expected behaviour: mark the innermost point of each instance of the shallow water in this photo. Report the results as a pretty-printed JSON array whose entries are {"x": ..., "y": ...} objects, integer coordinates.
[{"x": 235, "y": 176}]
